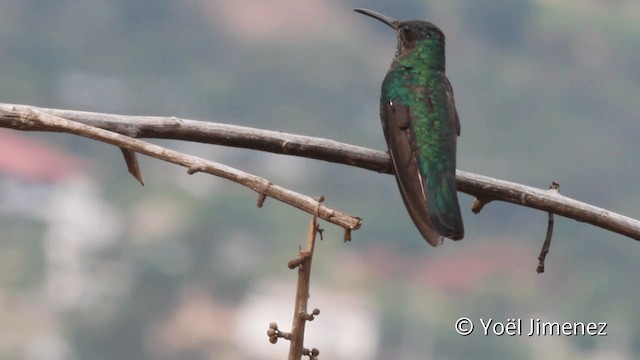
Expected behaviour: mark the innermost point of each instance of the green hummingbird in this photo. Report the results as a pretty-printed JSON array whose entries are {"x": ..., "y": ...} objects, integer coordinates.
[{"x": 421, "y": 127}]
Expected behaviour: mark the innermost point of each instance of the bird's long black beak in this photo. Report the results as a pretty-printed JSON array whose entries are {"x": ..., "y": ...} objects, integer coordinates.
[{"x": 393, "y": 23}]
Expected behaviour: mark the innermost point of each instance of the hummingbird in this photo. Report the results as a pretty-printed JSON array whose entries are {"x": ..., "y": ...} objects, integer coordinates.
[{"x": 421, "y": 126}]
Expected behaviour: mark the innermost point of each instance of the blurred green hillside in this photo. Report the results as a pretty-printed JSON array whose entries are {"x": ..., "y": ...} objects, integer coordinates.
[{"x": 546, "y": 90}]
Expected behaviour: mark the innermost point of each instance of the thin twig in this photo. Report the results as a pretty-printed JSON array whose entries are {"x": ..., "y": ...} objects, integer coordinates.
[
  {"x": 546, "y": 246},
  {"x": 482, "y": 187},
  {"x": 194, "y": 164}
]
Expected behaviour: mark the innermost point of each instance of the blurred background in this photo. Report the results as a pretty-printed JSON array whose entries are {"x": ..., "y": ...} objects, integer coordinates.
[{"x": 94, "y": 266}]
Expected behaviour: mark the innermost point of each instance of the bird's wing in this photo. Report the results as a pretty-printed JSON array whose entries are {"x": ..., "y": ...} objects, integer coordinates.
[
  {"x": 422, "y": 144},
  {"x": 451, "y": 103},
  {"x": 396, "y": 118}
]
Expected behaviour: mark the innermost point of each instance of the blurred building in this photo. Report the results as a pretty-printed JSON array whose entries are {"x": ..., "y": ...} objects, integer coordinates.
[{"x": 49, "y": 189}]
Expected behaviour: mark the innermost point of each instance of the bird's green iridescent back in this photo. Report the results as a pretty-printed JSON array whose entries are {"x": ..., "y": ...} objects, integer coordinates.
[{"x": 417, "y": 81}]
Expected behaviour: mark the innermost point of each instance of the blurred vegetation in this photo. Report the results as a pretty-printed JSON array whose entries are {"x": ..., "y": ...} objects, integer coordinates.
[{"x": 546, "y": 90}]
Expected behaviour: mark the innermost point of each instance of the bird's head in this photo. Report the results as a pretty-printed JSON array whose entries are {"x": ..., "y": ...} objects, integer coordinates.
[{"x": 410, "y": 32}]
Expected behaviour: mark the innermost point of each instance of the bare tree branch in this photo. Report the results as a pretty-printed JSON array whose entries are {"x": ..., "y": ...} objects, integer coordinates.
[
  {"x": 215, "y": 133},
  {"x": 483, "y": 187},
  {"x": 29, "y": 117}
]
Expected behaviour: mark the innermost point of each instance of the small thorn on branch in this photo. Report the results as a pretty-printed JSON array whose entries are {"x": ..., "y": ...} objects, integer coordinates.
[
  {"x": 261, "y": 198},
  {"x": 555, "y": 187},
  {"x": 479, "y": 203},
  {"x": 194, "y": 168},
  {"x": 133, "y": 166},
  {"x": 347, "y": 235}
]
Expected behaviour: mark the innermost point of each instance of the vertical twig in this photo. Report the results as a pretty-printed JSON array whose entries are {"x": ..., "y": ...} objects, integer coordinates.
[
  {"x": 546, "y": 247},
  {"x": 300, "y": 314}
]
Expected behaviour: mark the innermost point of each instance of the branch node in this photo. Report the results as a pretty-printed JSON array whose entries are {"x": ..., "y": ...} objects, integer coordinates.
[
  {"x": 175, "y": 121},
  {"x": 299, "y": 260},
  {"x": 479, "y": 203},
  {"x": 195, "y": 167},
  {"x": 284, "y": 146},
  {"x": 27, "y": 115},
  {"x": 262, "y": 194}
]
